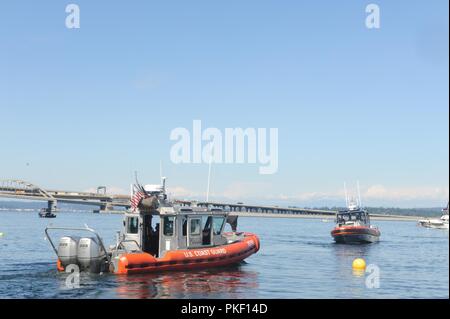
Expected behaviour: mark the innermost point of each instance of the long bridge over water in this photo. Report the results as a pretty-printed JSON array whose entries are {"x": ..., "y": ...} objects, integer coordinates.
[
  {"x": 106, "y": 203},
  {"x": 18, "y": 189}
]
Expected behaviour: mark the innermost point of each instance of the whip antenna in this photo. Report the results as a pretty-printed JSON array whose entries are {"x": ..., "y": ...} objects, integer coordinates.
[
  {"x": 209, "y": 172},
  {"x": 359, "y": 194},
  {"x": 346, "y": 195}
]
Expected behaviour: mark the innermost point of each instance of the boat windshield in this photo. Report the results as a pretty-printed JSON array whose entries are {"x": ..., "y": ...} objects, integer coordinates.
[
  {"x": 133, "y": 225},
  {"x": 218, "y": 224},
  {"x": 344, "y": 218}
]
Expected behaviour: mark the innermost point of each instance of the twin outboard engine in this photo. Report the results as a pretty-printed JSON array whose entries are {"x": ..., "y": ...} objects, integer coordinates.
[
  {"x": 67, "y": 250},
  {"x": 85, "y": 252},
  {"x": 91, "y": 256}
]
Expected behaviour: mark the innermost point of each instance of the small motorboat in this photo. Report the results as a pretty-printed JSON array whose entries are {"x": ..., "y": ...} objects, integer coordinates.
[
  {"x": 439, "y": 223},
  {"x": 46, "y": 213},
  {"x": 353, "y": 225},
  {"x": 158, "y": 236}
]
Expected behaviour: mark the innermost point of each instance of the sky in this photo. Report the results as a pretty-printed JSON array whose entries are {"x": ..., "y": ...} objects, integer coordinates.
[{"x": 90, "y": 106}]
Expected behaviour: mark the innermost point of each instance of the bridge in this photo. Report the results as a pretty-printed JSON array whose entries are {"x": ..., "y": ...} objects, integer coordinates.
[
  {"x": 244, "y": 210},
  {"x": 241, "y": 209},
  {"x": 19, "y": 189},
  {"x": 24, "y": 190}
]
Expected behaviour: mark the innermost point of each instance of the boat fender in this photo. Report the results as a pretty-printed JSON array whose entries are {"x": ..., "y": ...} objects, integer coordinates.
[{"x": 141, "y": 260}]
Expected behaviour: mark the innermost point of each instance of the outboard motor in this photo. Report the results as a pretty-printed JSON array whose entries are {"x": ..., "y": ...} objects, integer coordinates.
[
  {"x": 91, "y": 256},
  {"x": 67, "y": 250}
]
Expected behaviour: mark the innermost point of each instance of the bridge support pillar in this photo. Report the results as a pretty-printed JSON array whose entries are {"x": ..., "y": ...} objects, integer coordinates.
[
  {"x": 51, "y": 206},
  {"x": 104, "y": 208}
]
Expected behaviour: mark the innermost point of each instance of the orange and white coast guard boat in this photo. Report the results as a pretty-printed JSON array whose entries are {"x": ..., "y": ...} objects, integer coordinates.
[
  {"x": 158, "y": 236},
  {"x": 353, "y": 225}
]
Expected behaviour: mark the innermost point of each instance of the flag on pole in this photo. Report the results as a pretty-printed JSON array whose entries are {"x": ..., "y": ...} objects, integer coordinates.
[{"x": 137, "y": 198}]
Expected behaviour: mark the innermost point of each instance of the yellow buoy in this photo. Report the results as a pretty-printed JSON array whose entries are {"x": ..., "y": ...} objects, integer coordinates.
[{"x": 359, "y": 263}]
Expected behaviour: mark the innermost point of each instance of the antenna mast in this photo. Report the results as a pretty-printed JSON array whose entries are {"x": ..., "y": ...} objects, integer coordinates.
[
  {"x": 346, "y": 195},
  {"x": 359, "y": 194},
  {"x": 209, "y": 172},
  {"x": 162, "y": 178}
]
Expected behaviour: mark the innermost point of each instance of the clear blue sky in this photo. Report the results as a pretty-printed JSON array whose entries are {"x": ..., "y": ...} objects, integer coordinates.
[{"x": 87, "y": 107}]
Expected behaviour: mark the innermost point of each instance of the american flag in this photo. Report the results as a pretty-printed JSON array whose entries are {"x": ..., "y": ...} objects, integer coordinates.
[{"x": 136, "y": 199}]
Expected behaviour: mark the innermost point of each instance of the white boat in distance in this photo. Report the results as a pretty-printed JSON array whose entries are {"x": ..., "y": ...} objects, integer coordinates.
[{"x": 440, "y": 223}]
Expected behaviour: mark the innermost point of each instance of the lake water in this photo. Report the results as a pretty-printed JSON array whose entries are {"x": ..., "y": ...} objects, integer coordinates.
[{"x": 298, "y": 259}]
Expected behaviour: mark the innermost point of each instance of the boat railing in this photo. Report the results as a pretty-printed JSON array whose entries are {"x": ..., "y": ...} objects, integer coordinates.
[
  {"x": 87, "y": 229},
  {"x": 120, "y": 244}
]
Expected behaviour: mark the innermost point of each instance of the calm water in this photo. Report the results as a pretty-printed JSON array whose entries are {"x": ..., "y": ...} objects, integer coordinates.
[{"x": 298, "y": 259}]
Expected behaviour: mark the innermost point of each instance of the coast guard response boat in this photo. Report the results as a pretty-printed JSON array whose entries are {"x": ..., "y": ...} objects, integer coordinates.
[
  {"x": 158, "y": 236},
  {"x": 353, "y": 225}
]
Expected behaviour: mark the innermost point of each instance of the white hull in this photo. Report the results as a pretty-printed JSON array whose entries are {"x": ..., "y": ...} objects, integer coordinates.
[{"x": 433, "y": 223}]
